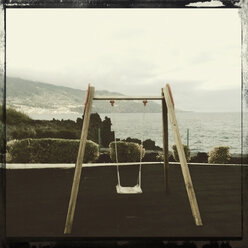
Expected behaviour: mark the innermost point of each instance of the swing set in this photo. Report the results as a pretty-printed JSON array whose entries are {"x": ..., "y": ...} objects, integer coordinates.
[{"x": 167, "y": 109}]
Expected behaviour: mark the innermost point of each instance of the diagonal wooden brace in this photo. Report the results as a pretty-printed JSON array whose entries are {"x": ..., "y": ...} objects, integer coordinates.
[
  {"x": 78, "y": 167},
  {"x": 182, "y": 158}
]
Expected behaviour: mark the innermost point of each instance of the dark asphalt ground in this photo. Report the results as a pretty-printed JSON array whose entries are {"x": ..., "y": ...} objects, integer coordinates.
[{"x": 37, "y": 202}]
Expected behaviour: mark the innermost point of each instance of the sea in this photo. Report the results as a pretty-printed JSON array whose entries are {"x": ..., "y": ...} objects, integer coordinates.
[{"x": 201, "y": 131}]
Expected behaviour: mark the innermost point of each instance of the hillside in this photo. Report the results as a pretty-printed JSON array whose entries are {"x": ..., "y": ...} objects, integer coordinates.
[
  {"x": 21, "y": 126},
  {"x": 37, "y": 97}
]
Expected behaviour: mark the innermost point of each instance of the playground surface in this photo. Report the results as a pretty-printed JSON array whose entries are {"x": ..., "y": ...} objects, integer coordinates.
[{"x": 37, "y": 202}]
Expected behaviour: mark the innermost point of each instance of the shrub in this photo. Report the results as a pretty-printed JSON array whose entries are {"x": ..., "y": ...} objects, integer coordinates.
[
  {"x": 171, "y": 158},
  {"x": 160, "y": 157},
  {"x": 134, "y": 140},
  {"x": 15, "y": 117},
  {"x": 235, "y": 160},
  {"x": 150, "y": 145},
  {"x": 49, "y": 151},
  {"x": 201, "y": 157},
  {"x": 104, "y": 158},
  {"x": 153, "y": 156},
  {"x": 219, "y": 155},
  {"x": 53, "y": 133},
  {"x": 127, "y": 151},
  {"x": 23, "y": 133},
  {"x": 239, "y": 159},
  {"x": 91, "y": 151},
  {"x": 68, "y": 134},
  {"x": 175, "y": 153}
]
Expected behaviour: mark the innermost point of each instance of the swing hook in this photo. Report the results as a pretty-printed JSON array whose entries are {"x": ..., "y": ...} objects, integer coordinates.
[
  {"x": 144, "y": 102},
  {"x": 112, "y": 102}
]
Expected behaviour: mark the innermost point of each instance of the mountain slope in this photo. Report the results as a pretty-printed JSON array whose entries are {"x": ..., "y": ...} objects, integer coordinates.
[{"x": 30, "y": 96}]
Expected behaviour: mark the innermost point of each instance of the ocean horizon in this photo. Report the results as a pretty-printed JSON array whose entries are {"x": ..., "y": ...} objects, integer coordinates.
[{"x": 206, "y": 129}]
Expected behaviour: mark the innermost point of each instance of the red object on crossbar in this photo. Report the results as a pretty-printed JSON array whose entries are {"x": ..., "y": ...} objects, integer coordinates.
[
  {"x": 112, "y": 102},
  {"x": 145, "y": 102}
]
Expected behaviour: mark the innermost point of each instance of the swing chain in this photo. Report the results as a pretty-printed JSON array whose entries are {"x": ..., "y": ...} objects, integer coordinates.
[
  {"x": 112, "y": 102},
  {"x": 141, "y": 150},
  {"x": 141, "y": 146}
]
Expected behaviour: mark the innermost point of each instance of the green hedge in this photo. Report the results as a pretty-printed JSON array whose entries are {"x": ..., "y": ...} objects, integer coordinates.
[
  {"x": 49, "y": 150},
  {"x": 175, "y": 153},
  {"x": 201, "y": 157},
  {"x": 219, "y": 155},
  {"x": 148, "y": 144},
  {"x": 127, "y": 151},
  {"x": 160, "y": 157}
]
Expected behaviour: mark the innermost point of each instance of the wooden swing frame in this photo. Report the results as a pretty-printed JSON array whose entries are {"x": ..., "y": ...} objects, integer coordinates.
[{"x": 167, "y": 109}]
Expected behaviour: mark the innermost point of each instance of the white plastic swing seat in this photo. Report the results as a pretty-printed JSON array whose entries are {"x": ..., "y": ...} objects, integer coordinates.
[{"x": 128, "y": 190}]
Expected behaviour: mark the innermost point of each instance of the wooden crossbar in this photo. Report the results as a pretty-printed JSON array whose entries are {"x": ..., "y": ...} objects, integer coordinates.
[
  {"x": 182, "y": 158},
  {"x": 128, "y": 98},
  {"x": 123, "y": 164}
]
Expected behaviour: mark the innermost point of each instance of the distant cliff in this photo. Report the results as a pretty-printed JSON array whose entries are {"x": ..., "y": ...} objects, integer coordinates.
[{"x": 37, "y": 97}]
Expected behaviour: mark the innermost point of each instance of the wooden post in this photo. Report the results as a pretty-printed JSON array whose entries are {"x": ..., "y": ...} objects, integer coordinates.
[
  {"x": 78, "y": 167},
  {"x": 165, "y": 144},
  {"x": 182, "y": 158}
]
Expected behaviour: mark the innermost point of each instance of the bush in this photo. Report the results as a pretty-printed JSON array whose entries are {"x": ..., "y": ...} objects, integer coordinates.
[
  {"x": 104, "y": 158},
  {"x": 201, "y": 157},
  {"x": 150, "y": 145},
  {"x": 91, "y": 151},
  {"x": 151, "y": 157},
  {"x": 235, "y": 160},
  {"x": 49, "y": 151},
  {"x": 127, "y": 151},
  {"x": 15, "y": 117},
  {"x": 219, "y": 155},
  {"x": 134, "y": 140},
  {"x": 53, "y": 133},
  {"x": 160, "y": 157},
  {"x": 22, "y": 133},
  {"x": 175, "y": 153}
]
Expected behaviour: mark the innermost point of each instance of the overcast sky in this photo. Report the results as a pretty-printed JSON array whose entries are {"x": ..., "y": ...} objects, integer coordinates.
[{"x": 132, "y": 51}]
